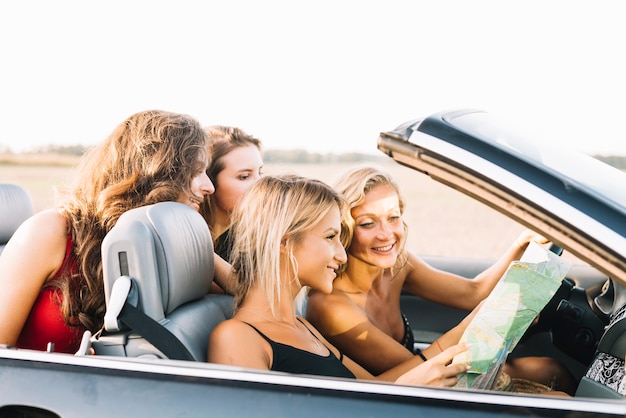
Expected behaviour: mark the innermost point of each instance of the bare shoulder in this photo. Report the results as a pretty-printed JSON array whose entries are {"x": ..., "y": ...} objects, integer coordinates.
[
  {"x": 33, "y": 255},
  {"x": 322, "y": 303},
  {"x": 49, "y": 224},
  {"x": 226, "y": 334},
  {"x": 237, "y": 343},
  {"x": 37, "y": 248},
  {"x": 235, "y": 332},
  {"x": 230, "y": 330},
  {"x": 333, "y": 313}
]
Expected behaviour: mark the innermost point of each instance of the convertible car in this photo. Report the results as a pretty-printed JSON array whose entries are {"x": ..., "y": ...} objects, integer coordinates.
[{"x": 150, "y": 355}]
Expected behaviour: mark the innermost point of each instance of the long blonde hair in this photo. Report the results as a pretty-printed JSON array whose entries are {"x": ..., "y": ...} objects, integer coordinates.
[
  {"x": 150, "y": 157},
  {"x": 275, "y": 210}
]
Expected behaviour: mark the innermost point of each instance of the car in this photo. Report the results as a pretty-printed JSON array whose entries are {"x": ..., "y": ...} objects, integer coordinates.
[{"x": 150, "y": 354}]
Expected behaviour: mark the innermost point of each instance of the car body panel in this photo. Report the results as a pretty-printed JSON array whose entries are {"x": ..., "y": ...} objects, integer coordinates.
[{"x": 103, "y": 386}]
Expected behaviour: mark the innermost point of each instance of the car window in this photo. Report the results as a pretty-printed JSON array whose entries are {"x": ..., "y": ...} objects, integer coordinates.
[{"x": 444, "y": 222}]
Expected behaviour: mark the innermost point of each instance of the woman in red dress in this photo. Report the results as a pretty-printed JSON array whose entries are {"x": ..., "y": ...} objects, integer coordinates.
[{"x": 51, "y": 269}]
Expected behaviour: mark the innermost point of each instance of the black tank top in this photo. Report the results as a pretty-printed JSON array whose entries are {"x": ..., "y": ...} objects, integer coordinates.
[{"x": 286, "y": 358}]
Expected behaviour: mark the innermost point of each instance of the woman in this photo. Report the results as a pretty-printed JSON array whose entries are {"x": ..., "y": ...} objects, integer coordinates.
[
  {"x": 235, "y": 164},
  {"x": 51, "y": 269},
  {"x": 286, "y": 231},
  {"x": 362, "y": 314}
]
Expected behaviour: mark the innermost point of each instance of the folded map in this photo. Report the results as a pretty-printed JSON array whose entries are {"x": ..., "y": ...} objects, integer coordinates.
[{"x": 514, "y": 303}]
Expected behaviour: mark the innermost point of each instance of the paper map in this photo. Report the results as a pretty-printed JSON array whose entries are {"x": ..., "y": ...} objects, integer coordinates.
[{"x": 522, "y": 292}]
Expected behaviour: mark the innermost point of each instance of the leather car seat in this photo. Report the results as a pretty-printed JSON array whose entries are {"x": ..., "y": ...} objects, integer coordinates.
[
  {"x": 158, "y": 266},
  {"x": 16, "y": 206}
]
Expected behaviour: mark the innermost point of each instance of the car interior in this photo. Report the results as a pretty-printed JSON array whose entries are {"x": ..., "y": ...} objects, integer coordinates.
[
  {"x": 158, "y": 268},
  {"x": 168, "y": 282},
  {"x": 571, "y": 328}
]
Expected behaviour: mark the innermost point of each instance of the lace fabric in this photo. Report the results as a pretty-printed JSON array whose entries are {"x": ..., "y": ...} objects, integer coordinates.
[{"x": 607, "y": 369}]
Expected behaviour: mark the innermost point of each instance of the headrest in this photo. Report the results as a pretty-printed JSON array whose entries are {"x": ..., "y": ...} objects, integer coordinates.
[
  {"x": 166, "y": 249},
  {"x": 15, "y": 207}
]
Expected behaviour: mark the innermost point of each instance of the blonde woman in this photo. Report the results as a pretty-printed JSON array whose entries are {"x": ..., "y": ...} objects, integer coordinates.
[
  {"x": 362, "y": 314},
  {"x": 287, "y": 231}
]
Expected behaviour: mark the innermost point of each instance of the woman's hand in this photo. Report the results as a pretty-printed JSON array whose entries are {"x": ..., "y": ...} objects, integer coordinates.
[
  {"x": 437, "y": 371},
  {"x": 527, "y": 236}
]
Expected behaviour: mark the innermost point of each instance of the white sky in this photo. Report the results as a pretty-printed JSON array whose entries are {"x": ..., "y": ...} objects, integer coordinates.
[{"x": 325, "y": 75}]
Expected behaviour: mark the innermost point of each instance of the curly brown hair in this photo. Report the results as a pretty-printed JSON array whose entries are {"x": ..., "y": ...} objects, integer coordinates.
[{"x": 150, "y": 157}]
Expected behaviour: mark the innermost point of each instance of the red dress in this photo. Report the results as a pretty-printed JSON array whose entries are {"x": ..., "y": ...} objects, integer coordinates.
[{"x": 45, "y": 322}]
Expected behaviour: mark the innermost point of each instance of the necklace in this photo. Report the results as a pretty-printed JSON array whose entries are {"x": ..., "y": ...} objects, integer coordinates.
[{"x": 317, "y": 342}]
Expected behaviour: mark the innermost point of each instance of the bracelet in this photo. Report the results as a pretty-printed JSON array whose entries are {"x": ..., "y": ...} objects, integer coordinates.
[
  {"x": 439, "y": 345},
  {"x": 419, "y": 353}
]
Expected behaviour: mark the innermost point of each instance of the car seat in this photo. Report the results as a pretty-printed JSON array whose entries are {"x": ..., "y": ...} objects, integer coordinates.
[
  {"x": 605, "y": 377},
  {"x": 157, "y": 264},
  {"x": 16, "y": 206}
]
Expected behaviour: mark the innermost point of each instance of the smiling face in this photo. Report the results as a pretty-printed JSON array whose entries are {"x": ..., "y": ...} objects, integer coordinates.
[
  {"x": 319, "y": 253},
  {"x": 378, "y": 230},
  {"x": 242, "y": 168}
]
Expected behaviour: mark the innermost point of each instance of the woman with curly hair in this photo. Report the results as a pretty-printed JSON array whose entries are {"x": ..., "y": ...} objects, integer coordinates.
[{"x": 51, "y": 269}]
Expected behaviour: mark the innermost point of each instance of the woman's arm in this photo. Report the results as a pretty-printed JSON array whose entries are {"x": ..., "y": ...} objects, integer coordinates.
[
  {"x": 451, "y": 337},
  {"x": 459, "y": 292},
  {"x": 488, "y": 278},
  {"x": 436, "y": 372},
  {"x": 222, "y": 275},
  {"x": 348, "y": 328},
  {"x": 33, "y": 255}
]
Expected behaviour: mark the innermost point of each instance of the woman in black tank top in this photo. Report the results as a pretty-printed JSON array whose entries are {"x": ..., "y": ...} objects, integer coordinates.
[{"x": 286, "y": 236}]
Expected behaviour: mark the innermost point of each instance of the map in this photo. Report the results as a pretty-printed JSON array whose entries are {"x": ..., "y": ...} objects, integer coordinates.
[{"x": 522, "y": 292}]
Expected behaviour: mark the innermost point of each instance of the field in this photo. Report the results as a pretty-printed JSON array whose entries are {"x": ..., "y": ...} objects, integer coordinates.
[{"x": 441, "y": 220}]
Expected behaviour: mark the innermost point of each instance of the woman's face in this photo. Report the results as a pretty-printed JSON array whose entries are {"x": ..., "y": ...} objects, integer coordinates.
[
  {"x": 378, "y": 229},
  {"x": 319, "y": 253},
  {"x": 242, "y": 168},
  {"x": 201, "y": 186}
]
